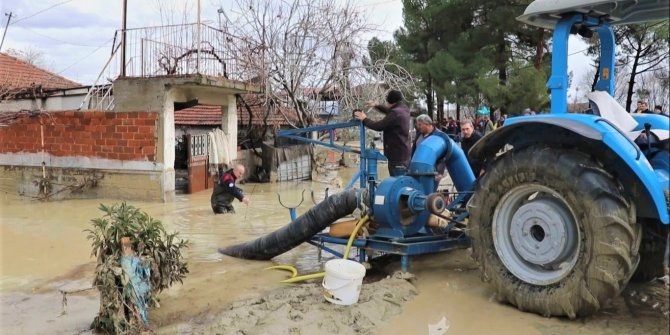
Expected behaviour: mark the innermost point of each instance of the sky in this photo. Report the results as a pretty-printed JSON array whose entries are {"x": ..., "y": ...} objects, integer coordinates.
[{"x": 75, "y": 36}]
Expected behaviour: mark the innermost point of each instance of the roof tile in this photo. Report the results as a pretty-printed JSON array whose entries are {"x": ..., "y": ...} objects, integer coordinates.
[
  {"x": 16, "y": 74},
  {"x": 211, "y": 114}
]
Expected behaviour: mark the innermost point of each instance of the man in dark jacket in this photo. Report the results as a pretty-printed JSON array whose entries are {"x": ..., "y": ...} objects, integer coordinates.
[
  {"x": 395, "y": 126},
  {"x": 468, "y": 138},
  {"x": 452, "y": 127},
  {"x": 642, "y": 107},
  {"x": 225, "y": 191}
]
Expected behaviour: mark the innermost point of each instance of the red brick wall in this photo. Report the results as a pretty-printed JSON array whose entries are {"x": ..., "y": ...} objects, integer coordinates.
[{"x": 122, "y": 135}]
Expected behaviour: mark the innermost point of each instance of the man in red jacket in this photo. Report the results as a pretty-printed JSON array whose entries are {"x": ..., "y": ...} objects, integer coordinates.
[
  {"x": 395, "y": 126},
  {"x": 225, "y": 191}
]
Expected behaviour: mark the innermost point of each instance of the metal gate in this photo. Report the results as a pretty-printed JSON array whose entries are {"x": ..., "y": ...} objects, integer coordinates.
[{"x": 298, "y": 168}]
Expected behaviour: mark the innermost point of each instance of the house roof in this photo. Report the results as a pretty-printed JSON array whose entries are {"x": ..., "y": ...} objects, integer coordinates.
[
  {"x": 259, "y": 109},
  {"x": 210, "y": 115},
  {"x": 200, "y": 115},
  {"x": 16, "y": 74}
]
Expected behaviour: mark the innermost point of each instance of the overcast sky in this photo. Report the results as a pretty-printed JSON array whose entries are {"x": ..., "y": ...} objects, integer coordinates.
[{"x": 75, "y": 36}]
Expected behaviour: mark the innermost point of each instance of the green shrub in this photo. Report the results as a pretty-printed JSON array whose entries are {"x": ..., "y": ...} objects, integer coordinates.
[{"x": 156, "y": 250}]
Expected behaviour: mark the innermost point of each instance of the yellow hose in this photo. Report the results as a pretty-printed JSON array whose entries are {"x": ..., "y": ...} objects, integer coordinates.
[
  {"x": 352, "y": 237},
  {"x": 290, "y": 268},
  {"x": 304, "y": 277},
  {"x": 295, "y": 279}
]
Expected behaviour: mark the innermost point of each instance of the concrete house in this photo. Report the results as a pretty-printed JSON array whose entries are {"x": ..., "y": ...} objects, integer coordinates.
[
  {"x": 265, "y": 162},
  {"x": 116, "y": 138}
]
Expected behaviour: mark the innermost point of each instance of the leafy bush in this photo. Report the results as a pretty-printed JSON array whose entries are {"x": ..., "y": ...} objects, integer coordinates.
[{"x": 156, "y": 250}]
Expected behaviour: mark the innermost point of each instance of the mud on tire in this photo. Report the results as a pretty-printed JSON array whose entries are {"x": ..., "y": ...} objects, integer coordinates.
[{"x": 602, "y": 260}]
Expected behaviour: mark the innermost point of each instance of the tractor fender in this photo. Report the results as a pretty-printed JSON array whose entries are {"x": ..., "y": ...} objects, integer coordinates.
[
  {"x": 591, "y": 134},
  {"x": 656, "y": 121}
]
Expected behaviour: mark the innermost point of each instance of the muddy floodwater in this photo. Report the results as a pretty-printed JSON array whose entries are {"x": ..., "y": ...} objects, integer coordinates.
[{"x": 43, "y": 251}]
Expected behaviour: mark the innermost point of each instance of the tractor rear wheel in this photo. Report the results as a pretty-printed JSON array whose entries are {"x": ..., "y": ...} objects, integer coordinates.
[{"x": 552, "y": 232}]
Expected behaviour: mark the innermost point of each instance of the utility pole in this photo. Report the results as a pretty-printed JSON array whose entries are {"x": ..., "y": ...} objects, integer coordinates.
[
  {"x": 9, "y": 18},
  {"x": 123, "y": 40}
]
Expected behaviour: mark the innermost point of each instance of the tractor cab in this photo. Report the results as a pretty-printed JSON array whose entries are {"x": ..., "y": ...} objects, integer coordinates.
[
  {"x": 585, "y": 18},
  {"x": 547, "y": 13}
]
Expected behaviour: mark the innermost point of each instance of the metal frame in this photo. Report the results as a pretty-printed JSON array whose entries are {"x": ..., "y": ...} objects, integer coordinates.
[
  {"x": 420, "y": 243},
  {"x": 367, "y": 173},
  {"x": 405, "y": 247},
  {"x": 362, "y": 173},
  {"x": 558, "y": 82}
]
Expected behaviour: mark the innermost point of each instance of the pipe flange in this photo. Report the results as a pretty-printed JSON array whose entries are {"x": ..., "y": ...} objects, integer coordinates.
[{"x": 435, "y": 203}]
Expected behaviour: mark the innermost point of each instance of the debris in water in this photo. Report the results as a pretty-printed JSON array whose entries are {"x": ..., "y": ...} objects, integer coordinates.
[{"x": 439, "y": 328}]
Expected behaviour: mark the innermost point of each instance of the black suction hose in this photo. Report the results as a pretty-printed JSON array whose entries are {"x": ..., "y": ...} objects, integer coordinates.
[{"x": 302, "y": 229}]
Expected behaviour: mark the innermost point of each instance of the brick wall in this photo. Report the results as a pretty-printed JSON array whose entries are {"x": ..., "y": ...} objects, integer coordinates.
[{"x": 111, "y": 135}]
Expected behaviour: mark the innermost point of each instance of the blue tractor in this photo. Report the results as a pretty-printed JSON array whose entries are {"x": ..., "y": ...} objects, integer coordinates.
[{"x": 573, "y": 205}]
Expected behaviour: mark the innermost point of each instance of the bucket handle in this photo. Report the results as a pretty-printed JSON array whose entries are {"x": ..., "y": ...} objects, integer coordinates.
[{"x": 323, "y": 283}]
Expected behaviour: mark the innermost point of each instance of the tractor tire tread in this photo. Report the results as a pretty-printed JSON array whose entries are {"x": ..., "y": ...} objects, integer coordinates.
[{"x": 603, "y": 215}]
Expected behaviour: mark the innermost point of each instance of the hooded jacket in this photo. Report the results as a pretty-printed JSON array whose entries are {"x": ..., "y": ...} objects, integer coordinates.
[{"x": 395, "y": 125}]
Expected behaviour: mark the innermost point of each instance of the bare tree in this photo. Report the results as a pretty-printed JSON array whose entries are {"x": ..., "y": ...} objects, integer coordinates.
[
  {"x": 30, "y": 55},
  {"x": 655, "y": 88},
  {"x": 645, "y": 49},
  {"x": 308, "y": 49},
  {"x": 173, "y": 12},
  {"x": 622, "y": 74}
]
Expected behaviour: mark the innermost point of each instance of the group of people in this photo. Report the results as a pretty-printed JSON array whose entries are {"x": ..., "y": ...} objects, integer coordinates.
[
  {"x": 395, "y": 126},
  {"x": 482, "y": 124},
  {"x": 643, "y": 108}
]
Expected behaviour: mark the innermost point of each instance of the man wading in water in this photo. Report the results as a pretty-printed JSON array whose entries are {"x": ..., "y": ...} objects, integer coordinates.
[{"x": 225, "y": 191}]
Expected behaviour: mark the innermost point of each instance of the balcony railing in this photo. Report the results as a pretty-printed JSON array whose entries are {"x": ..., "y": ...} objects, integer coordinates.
[
  {"x": 174, "y": 50},
  {"x": 187, "y": 49}
]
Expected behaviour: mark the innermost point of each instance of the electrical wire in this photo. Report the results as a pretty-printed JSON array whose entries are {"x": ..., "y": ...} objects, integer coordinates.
[
  {"x": 40, "y": 11},
  {"x": 59, "y": 40},
  {"x": 82, "y": 58}
]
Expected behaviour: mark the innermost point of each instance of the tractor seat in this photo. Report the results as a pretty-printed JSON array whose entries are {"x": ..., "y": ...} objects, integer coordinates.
[{"x": 608, "y": 108}]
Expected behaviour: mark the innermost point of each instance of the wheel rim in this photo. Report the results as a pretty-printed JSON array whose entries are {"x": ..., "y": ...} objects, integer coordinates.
[{"x": 535, "y": 234}]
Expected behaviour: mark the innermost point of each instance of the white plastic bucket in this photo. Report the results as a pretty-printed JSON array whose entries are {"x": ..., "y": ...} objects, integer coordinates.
[{"x": 343, "y": 281}]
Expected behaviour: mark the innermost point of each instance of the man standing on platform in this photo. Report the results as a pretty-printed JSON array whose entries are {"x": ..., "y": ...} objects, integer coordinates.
[{"x": 395, "y": 126}]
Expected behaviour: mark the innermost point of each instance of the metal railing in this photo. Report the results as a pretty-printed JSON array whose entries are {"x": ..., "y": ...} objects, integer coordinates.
[
  {"x": 173, "y": 50},
  {"x": 100, "y": 95},
  {"x": 187, "y": 49}
]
